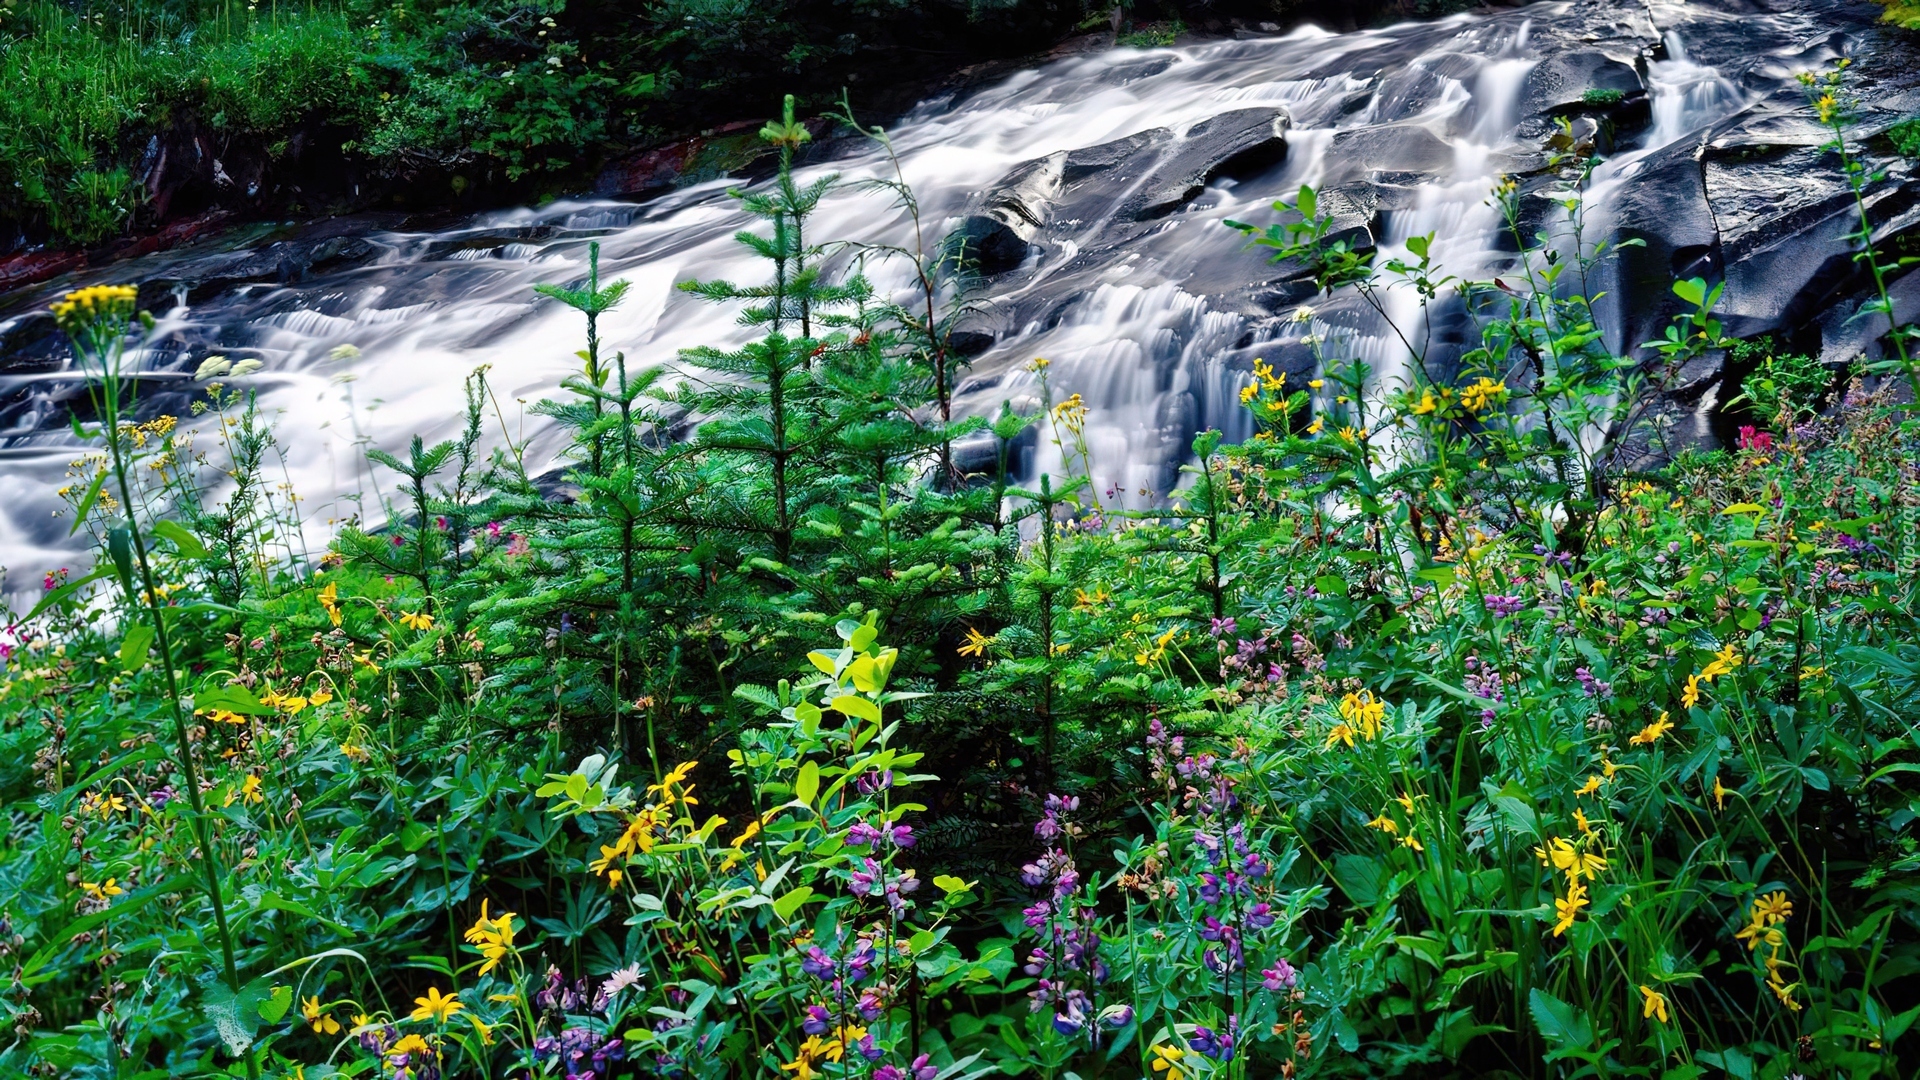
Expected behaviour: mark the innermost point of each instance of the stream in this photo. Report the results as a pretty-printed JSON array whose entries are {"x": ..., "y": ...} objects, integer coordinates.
[{"x": 1103, "y": 179}]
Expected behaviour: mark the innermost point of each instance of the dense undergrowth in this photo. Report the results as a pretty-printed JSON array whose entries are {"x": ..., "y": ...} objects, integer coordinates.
[{"x": 1413, "y": 736}]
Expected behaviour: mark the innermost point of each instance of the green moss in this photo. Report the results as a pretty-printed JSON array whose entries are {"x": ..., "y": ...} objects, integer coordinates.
[{"x": 1600, "y": 95}]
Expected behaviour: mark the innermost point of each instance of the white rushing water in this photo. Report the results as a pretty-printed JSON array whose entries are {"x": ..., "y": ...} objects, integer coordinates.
[{"x": 1154, "y": 333}]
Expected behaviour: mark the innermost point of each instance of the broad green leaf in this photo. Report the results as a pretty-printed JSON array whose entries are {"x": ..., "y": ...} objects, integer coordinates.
[
  {"x": 135, "y": 646},
  {"x": 807, "y": 784},
  {"x": 234, "y": 699},
  {"x": 856, "y": 706},
  {"x": 189, "y": 544},
  {"x": 790, "y": 903},
  {"x": 1558, "y": 1021}
]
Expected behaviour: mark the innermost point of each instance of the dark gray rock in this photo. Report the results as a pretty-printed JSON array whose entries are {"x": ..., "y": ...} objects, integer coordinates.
[
  {"x": 1561, "y": 80},
  {"x": 1233, "y": 144}
]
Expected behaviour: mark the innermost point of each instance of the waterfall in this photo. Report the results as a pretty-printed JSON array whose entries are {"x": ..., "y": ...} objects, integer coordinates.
[{"x": 1154, "y": 321}]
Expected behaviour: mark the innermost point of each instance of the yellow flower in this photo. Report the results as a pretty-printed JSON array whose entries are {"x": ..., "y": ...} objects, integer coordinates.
[
  {"x": 436, "y": 1006},
  {"x": 1719, "y": 795},
  {"x": 1691, "y": 695},
  {"x": 1585, "y": 826},
  {"x": 1364, "y": 712},
  {"x": 1340, "y": 733},
  {"x": 223, "y": 716},
  {"x": 319, "y": 698},
  {"x": 1651, "y": 734},
  {"x": 1406, "y": 801},
  {"x": 1784, "y": 991},
  {"x": 1482, "y": 394},
  {"x": 316, "y": 1015},
  {"x": 493, "y": 936},
  {"x": 1427, "y": 404},
  {"x": 104, "y": 804},
  {"x": 1653, "y": 1005},
  {"x": 1564, "y": 856},
  {"x": 1087, "y": 601},
  {"x": 1314, "y": 428},
  {"x": 1166, "y": 1059},
  {"x": 1247, "y": 393},
  {"x": 82, "y": 306},
  {"x": 102, "y": 891},
  {"x": 1772, "y": 908},
  {"x": 485, "y": 1029},
  {"x": 1592, "y": 785},
  {"x": 329, "y": 599},
  {"x": 248, "y": 792},
  {"x": 1568, "y": 909},
  {"x": 1383, "y": 822},
  {"x": 1410, "y": 842},
  {"x": 1758, "y": 933},
  {"x": 354, "y": 751},
  {"x": 976, "y": 643},
  {"x": 365, "y": 660},
  {"x": 416, "y": 620}
]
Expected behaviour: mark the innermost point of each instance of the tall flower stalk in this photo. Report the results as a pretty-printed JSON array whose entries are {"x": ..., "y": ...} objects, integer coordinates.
[{"x": 100, "y": 321}]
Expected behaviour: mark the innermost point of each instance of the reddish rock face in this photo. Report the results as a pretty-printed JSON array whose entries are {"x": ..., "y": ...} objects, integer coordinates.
[{"x": 32, "y": 266}]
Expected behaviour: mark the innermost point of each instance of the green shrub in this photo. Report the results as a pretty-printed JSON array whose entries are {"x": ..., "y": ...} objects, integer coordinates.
[{"x": 1600, "y": 95}]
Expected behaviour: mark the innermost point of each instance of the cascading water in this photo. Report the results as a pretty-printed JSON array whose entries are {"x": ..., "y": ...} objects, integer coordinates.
[{"x": 1152, "y": 315}]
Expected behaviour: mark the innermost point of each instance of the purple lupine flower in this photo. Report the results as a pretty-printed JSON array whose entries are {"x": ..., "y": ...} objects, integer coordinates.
[
  {"x": 1223, "y": 627},
  {"x": 818, "y": 1019},
  {"x": 872, "y": 782},
  {"x": 1280, "y": 976},
  {"x": 817, "y": 963},
  {"x": 1503, "y": 606},
  {"x": 1592, "y": 685},
  {"x": 1216, "y": 1045}
]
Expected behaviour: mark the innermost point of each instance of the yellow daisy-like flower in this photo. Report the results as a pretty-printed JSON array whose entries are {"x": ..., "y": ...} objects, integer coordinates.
[
  {"x": 1772, "y": 909},
  {"x": 248, "y": 792},
  {"x": 102, "y": 891},
  {"x": 1568, "y": 909},
  {"x": 1592, "y": 785},
  {"x": 1383, "y": 822},
  {"x": 436, "y": 1006},
  {"x": 493, "y": 936},
  {"x": 1166, "y": 1059},
  {"x": 976, "y": 643},
  {"x": 1653, "y": 1005},
  {"x": 1651, "y": 734},
  {"x": 318, "y": 1017},
  {"x": 416, "y": 620},
  {"x": 1691, "y": 695}
]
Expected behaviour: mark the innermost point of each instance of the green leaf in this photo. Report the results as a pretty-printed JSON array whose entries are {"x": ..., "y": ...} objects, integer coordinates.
[
  {"x": 135, "y": 646},
  {"x": 1692, "y": 290},
  {"x": 277, "y": 1004},
  {"x": 86, "y": 502},
  {"x": 234, "y": 699},
  {"x": 189, "y": 544},
  {"x": 1558, "y": 1021},
  {"x": 856, "y": 706},
  {"x": 790, "y": 903},
  {"x": 236, "y": 1016},
  {"x": 1308, "y": 203},
  {"x": 1745, "y": 508},
  {"x": 807, "y": 784}
]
